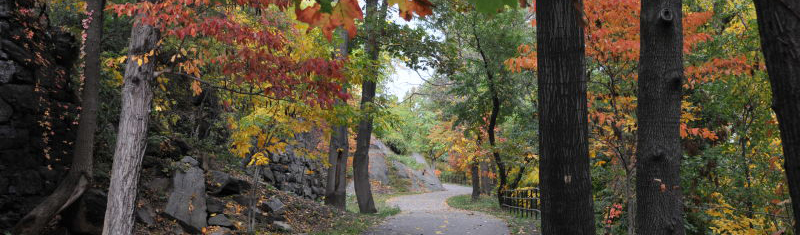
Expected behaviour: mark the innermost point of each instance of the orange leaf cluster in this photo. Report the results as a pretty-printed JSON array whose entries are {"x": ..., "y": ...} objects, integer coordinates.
[
  {"x": 343, "y": 14},
  {"x": 716, "y": 68},
  {"x": 410, "y": 7},
  {"x": 698, "y": 132}
]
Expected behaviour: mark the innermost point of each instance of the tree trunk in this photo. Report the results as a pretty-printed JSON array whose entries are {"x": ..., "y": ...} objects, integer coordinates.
[
  {"x": 659, "y": 204},
  {"x": 136, "y": 101},
  {"x": 374, "y": 23},
  {"x": 476, "y": 180},
  {"x": 501, "y": 168},
  {"x": 486, "y": 182},
  {"x": 80, "y": 174},
  {"x": 335, "y": 189},
  {"x": 566, "y": 189},
  {"x": 779, "y": 26},
  {"x": 520, "y": 174}
]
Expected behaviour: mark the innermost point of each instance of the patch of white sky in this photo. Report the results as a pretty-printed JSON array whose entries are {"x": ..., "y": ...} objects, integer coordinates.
[{"x": 404, "y": 79}]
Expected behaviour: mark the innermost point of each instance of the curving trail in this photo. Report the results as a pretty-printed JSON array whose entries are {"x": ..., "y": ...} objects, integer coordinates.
[{"x": 428, "y": 213}]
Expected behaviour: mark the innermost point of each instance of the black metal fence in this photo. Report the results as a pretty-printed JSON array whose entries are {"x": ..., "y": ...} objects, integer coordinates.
[
  {"x": 455, "y": 179},
  {"x": 521, "y": 202}
]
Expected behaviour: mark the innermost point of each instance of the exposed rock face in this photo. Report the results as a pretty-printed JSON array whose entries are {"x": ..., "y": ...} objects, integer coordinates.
[
  {"x": 423, "y": 179},
  {"x": 37, "y": 108},
  {"x": 187, "y": 202},
  {"x": 378, "y": 169}
]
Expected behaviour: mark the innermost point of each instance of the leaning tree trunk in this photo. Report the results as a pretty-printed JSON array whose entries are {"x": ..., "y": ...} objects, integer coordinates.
[
  {"x": 779, "y": 26},
  {"x": 136, "y": 102},
  {"x": 335, "y": 189},
  {"x": 79, "y": 177},
  {"x": 374, "y": 22},
  {"x": 659, "y": 205},
  {"x": 566, "y": 189}
]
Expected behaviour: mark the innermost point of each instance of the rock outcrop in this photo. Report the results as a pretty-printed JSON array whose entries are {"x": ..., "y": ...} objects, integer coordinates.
[
  {"x": 421, "y": 180},
  {"x": 381, "y": 167},
  {"x": 378, "y": 169}
]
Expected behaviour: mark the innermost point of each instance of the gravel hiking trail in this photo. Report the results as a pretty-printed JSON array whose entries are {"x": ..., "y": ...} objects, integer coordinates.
[{"x": 428, "y": 213}]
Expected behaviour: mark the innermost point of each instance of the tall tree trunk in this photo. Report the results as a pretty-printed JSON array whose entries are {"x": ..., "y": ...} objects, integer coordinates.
[
  {"x": 501, "y": 168},
  {"x": 136, "y": 101},
  {"x": 335, "y": 189},
  {"x": 566, "y": 188},
  {"x": 779, "y": 26},
  {"x": 80, "y": 174},
  {"x": 476, "y": 180},
  {"x": 659, "y": 204},
  {"x": 374, "y": 24}
]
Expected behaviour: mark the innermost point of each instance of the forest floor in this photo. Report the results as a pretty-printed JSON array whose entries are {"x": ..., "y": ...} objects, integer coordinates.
[{"x": 428, "y": 213}]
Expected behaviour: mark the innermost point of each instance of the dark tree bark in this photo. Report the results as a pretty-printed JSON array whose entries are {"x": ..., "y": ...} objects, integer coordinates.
[
  {"x": 137, "y": 97},
  {"x": 566, "y": 189},
  {"x": 659, "y": 204},
  {"x": 476, "y": 180},
  {"x": 80, "y": 174},
  {"x": 779, "y": 26},
  {"x": 335, "y": 189},
  {"x": 501, "y": 168},
  {"x": 374, "y": 24}
]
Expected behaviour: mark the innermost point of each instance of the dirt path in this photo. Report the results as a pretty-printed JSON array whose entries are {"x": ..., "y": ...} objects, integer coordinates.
[{"x": 428, "y": 213}]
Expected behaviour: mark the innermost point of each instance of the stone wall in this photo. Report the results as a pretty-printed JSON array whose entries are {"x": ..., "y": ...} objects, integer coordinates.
[
  {"x": 37, "y": 107},
  {"x": 301, "y": 175}
]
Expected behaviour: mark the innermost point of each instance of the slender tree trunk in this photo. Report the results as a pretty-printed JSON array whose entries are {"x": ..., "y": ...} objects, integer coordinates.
[
  {"x": 486, "y": 182},
  {"x": 658, "y": 151},
  {"x": 361, "y": 182},
  {"x": 566, "y": 188},
  {"x": 335, "y": 189},
  {"x": 476, "y": 180},
  {"x": 520, "y": 174},
  {"x": 80, "y": 174},
  {"x": 501, "y": 168},
  {"x": 779, "y": 26},
  {"x": 136, "y": 101}
]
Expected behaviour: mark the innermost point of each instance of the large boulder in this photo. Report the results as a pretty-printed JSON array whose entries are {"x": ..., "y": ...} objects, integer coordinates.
[{"x": 187, "y": 202}]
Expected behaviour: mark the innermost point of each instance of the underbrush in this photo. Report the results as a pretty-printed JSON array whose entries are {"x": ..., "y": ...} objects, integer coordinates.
[
  {"x": 353, "y": 222},
  {"x": 489, "y": 205}
]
